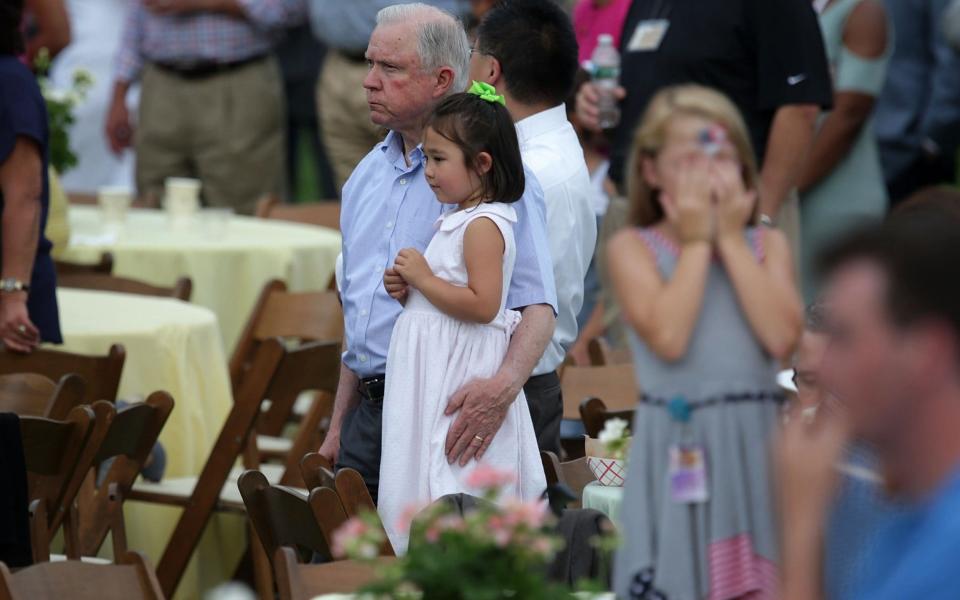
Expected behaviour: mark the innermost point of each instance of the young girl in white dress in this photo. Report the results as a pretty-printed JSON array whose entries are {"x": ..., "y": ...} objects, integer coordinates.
[{"x": 454, "y": 327}]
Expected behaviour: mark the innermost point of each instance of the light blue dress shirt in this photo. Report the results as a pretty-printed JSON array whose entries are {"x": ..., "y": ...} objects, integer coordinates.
[
  {"x": 346, "y": 25},
  {"x": 387, "y": 206}
]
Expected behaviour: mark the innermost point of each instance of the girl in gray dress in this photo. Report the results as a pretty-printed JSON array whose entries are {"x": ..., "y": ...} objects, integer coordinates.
[{"x": 712, "y": 305}]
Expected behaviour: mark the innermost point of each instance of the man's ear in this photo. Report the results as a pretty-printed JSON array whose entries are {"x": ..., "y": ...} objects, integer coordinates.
[
  {"x": 495, "y": 73},
  {"x": 445, "y": 79}
]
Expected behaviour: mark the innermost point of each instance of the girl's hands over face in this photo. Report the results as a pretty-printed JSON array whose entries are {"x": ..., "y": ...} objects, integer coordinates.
[
  {"x": 689, "y": 209},
  {"x": 734, "y": 203},
  {"x": 412, "y": 266}
]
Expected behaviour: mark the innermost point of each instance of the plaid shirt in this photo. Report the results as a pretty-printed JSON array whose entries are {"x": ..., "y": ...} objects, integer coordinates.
[{"x": 203, "y": 36}]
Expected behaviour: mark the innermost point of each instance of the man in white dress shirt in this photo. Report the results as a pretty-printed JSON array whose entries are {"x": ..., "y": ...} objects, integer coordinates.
[{"x": 528, "y": 50}]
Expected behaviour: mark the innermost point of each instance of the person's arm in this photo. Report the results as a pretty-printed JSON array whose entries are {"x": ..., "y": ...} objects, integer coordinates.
[
  {"x": 940, "y": 124},
  {"x": 787, "y": 149},
  {"x": 21, "y": 181},
  {"x": 118, "y": 127},
  {"x": 766, "y": 289},
  {"x": 482, "y": 404},
  {"x": 344, "y": 401},
  {"x": 53, "y": 28},
  {"x": 865, "y": 38},
  {"x": 479, "y": 300},
  {"x": 592, "y": 329}
]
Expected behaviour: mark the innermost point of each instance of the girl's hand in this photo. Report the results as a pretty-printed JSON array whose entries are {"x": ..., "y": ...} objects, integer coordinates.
[
  {"x": 689, "y": 210},
  {"x": 412, "y": 266},
  {"x": 734, "y": 202}
]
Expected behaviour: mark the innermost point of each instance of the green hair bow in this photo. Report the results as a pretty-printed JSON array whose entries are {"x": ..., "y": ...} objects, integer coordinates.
[{"x": 486, "y": 92}]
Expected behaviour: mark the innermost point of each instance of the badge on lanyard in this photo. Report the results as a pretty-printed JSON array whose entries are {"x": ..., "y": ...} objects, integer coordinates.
[
  {"x": 688, "y": 474},
  {"x": 648, "y": 35}
]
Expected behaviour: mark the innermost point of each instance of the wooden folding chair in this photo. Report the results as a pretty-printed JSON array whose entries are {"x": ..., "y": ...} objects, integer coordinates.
[
  {"x": 215, "y": 488},
  {"x": 616, "y": 384},
  {"x": 325, "y": 213},
  {"x": 317, "y": 471},
  {"x": 356, "y": 500},
  {"x": 283, "y": 516},
  {"x": 130, "y": 439},
  {"x": 595, "y": 414},
  {"x": 35, "y": 395},
  {"x": 181, "y": 289},
  {"x": 58, "y": 455},
  {"x": 104, "y": 267},
  {"x": 575, "y": 474},
  {"x": 131, "y": 578},
  {"x": 298, "y": 581},
  {"x": 302, "y": 317},
  {"x": 100, "y": 374}
]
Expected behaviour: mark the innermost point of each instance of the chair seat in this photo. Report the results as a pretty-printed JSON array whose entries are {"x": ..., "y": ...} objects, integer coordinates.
[
  {"x": 178, "y": 490},
  {"x": 268, "y": 444},
  {"x": 90, "y": 560}
]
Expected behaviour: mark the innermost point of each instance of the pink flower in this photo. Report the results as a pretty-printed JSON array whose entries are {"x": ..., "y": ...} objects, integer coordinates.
[
  {"x": 347, "y": 535},
  {"x": 407, "y": 516},
  {"x": 433, "y": 534},
  {"x": 530, "y": 514},
  {"x": 486, "y": 477},
  {"x": 543, "y": 547}
]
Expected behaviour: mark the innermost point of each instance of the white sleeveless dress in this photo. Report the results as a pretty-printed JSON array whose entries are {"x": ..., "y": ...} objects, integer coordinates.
[{"x": 431, "y": 356}]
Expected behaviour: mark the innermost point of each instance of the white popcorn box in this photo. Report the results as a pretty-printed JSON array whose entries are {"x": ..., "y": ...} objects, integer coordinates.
[{"x": 610, "y": 472}]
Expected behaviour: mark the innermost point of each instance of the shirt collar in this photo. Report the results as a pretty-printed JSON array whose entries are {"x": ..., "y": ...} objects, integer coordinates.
[
  {"x": 392, "y": 148},
  {"x": 541, "y": 122}
]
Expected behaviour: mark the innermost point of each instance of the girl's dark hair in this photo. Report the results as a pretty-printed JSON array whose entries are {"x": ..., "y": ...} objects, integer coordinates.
[
  {"x": 11, "y": 12},
  {"x": 476, "y": 125}
]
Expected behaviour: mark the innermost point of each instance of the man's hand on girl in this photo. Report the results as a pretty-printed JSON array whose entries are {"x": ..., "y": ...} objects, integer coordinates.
[{"x": 412, "y": 266}]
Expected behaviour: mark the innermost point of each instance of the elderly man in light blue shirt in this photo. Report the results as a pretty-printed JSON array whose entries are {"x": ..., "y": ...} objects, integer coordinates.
[
  {"x": 345, "y": 27},
  {"x": 418, "y": 55}
]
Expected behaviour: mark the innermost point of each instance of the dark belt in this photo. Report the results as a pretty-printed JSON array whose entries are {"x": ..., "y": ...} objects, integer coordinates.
[
  {"x": 204, "y": 69},
  {"x": 372, "y": 388}
]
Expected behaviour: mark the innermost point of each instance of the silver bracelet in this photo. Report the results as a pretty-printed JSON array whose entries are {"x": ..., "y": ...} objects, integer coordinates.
[{"x": 767, "y": 221}]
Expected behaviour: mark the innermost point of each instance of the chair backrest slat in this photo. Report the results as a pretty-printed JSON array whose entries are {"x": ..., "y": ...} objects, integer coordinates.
[
  {"x": 130, "y": 579},
  {"x": 325, "y": 213},
  {"x": 181, "y": 289},
  {"x": 100, "y": 374}
]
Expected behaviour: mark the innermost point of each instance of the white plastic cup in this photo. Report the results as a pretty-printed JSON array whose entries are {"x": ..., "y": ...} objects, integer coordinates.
[
  {"x": 114, "y": 203},
  {"x": 182, "y": 197}
]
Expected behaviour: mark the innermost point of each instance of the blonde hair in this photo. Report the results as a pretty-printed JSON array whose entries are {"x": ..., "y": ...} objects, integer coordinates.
[{"x": 650, "y": 136}]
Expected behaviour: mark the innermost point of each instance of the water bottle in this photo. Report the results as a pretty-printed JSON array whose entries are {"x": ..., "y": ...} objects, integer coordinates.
[{"x": 606, "y": 78}]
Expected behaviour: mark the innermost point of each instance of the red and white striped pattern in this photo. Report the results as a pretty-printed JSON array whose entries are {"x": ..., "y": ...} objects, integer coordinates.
[{"x": 736, "y": 571}]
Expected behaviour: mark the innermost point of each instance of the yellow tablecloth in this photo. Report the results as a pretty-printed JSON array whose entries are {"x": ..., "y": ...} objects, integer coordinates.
[
  {"x": 172, "y": 346},
  {"x": 228, "y": 265}
]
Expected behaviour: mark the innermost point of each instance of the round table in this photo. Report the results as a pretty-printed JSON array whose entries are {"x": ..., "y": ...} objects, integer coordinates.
[
  {"x": 606, "y": 499},
  {"x": 176, "y": 347},
  {"x": 229, "y": 260}
]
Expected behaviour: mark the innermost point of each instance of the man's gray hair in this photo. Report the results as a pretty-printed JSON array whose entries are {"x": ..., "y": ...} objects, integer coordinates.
[{"x": 441, "y": 39}]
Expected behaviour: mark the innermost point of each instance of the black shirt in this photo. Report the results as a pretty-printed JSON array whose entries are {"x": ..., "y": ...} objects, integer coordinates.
[{"x": 762, "y": 53}]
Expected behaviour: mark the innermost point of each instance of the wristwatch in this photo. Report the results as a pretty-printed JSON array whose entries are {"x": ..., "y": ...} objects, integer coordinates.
[{"x": 9, "y": 285}]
